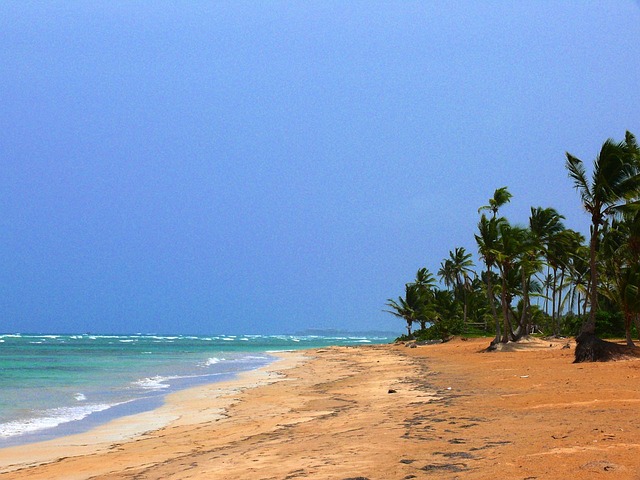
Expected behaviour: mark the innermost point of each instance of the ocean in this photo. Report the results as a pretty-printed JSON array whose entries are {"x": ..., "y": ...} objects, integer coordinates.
[{"x": 54, "y": 385}]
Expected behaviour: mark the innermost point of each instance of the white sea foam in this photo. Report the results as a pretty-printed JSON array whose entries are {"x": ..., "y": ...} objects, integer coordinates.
[
  {"x": 253, "y": 357},
  {"x": 213, "y": 361},
  {"x": 49, "y": 419},
  {"x": 80, "y": 397},
  {"x": 153, "y": 383}
]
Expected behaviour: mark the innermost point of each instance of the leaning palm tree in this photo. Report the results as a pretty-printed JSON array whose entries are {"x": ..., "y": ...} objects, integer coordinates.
[
  {"x": 614, "y": 181},
  {"x": 411, "y": 308}
]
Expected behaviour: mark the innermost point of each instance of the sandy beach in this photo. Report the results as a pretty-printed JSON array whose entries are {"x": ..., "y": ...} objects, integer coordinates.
[{"x": 374, "y": 412}]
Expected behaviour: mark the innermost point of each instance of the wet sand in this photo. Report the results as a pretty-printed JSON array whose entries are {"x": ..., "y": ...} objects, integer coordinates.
[{"x": 374, "y": 412}]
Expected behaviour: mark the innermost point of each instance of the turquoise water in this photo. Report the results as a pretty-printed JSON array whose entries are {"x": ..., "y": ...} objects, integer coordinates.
[{"x": 52, "y": 385}]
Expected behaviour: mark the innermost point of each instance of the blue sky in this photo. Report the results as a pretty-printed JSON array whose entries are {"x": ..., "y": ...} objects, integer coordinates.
[{"x": 265, "y": 167}]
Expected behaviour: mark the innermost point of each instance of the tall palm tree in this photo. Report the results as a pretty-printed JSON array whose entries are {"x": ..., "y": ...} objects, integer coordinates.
[
  {"x": 487, "y": 240},
  {"x": 547, "y": 283},
  {"x": 615, "y": 180},
  {"x": 501, "y": 197},
  {"x": 424, "y": 284},
  {"x": 446, "y": 311},
  {"x": 622, "y": 269},
  {"x": 546, "y": 227},
  {"x": 425, "y": 279},
  {"x": 572, "y": 242},
  {"x": 529, "y": 265},
  {"x": 456, "y": 271},
  {"x": 507, "y": 253},
  {"x": 579, "y": 274}
]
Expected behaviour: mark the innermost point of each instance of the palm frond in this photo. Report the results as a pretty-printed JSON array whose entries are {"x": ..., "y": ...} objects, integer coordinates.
[{"x": 578, "y": 174}]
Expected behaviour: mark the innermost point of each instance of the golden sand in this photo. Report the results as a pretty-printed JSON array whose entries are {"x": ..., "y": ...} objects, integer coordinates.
[{"x": 374, "y": 412}]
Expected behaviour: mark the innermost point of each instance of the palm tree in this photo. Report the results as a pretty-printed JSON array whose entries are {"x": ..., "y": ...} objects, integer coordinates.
[
  {"x": 530, "y": 264},
  {"x": 456, "y": 272},
  {"x": 487, "y": 241},
  {"x": 416, "y": 305},
  {"x": 622, "y": 270},
  {"x": 615, "y": 180},
  {"x": 579, "y": 273},
  {"x": 547, "y": 283},
  {"x": 500, "y": 197},
  {"x": 508, "y": 249},
  {"x": 410, "y": 308},
  {"x": 425, "y": 279},
  {"x": 424, "y": 284},
  {"x": 445, "y": 312},
  {"x": 546, "y": 228},
  {"x": 572, "y": 242}
]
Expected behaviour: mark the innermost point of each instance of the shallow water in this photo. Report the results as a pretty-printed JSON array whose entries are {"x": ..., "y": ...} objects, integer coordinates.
[{"x": 52, "y": 385}]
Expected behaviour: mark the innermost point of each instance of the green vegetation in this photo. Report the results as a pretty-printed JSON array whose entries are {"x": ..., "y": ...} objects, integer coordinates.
[{"x": 543, "y": 277}]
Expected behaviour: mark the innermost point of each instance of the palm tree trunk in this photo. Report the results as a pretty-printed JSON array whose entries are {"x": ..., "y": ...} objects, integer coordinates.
[
  {"x": 627, "y": 326},
  {"x": 578, "y": 303},
  {"x": 589, "y": 327},
  {"x": 505, "y": 310},
  {"x": 560, "y": 299},
  {"x": 546, "y": 297},
  {"x": 524, "y": 320},
  {"x": 553, "y": 301},
  {"x": 492, "y": 304},
  {"x": 465, "y": 308}
]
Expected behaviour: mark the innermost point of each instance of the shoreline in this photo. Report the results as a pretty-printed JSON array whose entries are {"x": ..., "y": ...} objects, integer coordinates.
[
  {"x": 379, "y": 412},
  {"x": 172, "y": 408}
]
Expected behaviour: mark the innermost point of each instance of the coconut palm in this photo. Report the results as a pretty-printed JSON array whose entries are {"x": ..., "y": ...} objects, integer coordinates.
[
  {"x": 411, "y": 308},
  {"x": 487, "y": 240},
  {"x": 424, "y": 284},
  {"x": 580, "y": 277},
  {"x": 620, "y": 254},
  {"x": 500, "y": 197},
  {"x": 529, "y": 264},
  {"x": 615, "y": 180},
  {"x": 425, "y": 279},
  {"x": 507, "y": 251},
  {"x": 572, "y": 242},
  {"x": 456, "y": 272}
]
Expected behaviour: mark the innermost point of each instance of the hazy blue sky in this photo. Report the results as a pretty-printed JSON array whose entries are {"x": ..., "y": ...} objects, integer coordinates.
[{"x": 243, "y": 167}]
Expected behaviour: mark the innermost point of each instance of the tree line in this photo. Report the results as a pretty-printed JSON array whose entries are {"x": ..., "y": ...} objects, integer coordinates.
[{"x": 542, "y": 277}]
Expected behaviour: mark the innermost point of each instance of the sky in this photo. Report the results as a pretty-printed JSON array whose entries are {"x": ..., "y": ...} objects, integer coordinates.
[{"x": 271, "y": 166}]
